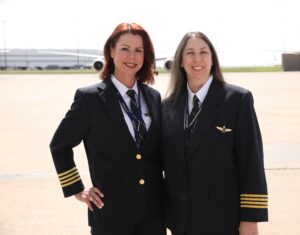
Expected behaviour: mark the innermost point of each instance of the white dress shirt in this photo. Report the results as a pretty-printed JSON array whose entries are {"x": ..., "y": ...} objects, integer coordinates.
[{"x": 200, "y": 94}]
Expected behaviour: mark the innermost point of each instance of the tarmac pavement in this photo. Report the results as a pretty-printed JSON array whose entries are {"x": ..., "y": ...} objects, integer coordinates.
[{"x": 31, "y": 107}]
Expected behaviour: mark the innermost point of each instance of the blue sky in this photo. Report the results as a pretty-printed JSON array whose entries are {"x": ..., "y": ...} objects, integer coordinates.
[{"x": 250, "y": 32}]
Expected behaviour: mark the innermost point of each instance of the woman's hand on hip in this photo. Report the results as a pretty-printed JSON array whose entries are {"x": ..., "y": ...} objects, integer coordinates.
[{"x": 92, "y": 195}]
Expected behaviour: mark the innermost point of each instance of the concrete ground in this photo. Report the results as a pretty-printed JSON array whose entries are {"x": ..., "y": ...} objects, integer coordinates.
[{"x": 31, "y": 106}]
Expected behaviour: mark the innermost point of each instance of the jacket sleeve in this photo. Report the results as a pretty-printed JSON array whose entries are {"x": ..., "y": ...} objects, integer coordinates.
[
  {"x": 249, "y": 150},
  {"x": 69, "y": 134}
]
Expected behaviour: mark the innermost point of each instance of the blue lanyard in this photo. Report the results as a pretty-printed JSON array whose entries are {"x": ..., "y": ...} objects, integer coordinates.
[
  {"x": 127, "y": 110},
  {"x": 132, "y": 117}
]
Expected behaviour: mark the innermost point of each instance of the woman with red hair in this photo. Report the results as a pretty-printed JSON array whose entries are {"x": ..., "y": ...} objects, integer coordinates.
[{"x": 119, "y": 122}]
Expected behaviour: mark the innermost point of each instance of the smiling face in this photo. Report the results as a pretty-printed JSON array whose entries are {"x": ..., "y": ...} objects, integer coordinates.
[
  {"x": 128, "y": 56},
  {"x": 197, "y": 62}
]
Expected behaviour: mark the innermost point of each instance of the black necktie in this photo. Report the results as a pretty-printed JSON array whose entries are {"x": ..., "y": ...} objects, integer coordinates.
[
  {"x": 194, "y": 114},
  {"x": 192, "y": 120},
  {"x": 138, "y": 122}
]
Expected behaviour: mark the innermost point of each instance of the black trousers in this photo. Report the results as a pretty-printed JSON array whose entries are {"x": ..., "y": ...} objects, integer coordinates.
[{"x": 146, "y": 227}]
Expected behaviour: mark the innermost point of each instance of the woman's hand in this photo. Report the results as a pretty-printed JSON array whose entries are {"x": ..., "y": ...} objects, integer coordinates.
[
  {"x": 92, "y": 195},
  {"x": 248, "y": 228}
]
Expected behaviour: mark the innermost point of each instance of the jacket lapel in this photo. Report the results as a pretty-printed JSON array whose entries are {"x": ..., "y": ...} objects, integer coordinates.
[
  {"x": 179, "y": 125},
  {"x": 153, "y": 108},
  {"x": 110, "y": 100},
  {"x": 209, "y": 112}
]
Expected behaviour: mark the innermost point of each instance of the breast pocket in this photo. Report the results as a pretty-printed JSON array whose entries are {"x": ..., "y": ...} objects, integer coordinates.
[{"x": 224, "y": 134}]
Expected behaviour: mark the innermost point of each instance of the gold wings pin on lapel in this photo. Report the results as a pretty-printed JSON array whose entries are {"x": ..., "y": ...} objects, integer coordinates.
[{"x": 223, "y": 129}]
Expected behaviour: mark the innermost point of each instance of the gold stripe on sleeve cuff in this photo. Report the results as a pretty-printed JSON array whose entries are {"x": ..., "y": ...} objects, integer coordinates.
[
  {"x": 253, "y": 206},
  {"x": 258, "y": 201},
  {"x": 255, "y": 199},
  {"x": 72, "y": 182},
  {"x": 254, "y": 195},
  {"x": 69, "y": 177},
  {"x": 67, "y": 172}
]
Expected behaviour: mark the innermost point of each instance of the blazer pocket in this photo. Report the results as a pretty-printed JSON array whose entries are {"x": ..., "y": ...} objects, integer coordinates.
[
  {"x": 109, "y": 182},
  {"x": 223, "y": 197}
]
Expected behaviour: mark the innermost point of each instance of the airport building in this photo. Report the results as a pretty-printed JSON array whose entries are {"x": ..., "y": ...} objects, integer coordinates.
[
  {"x": 291, "y": 61},
  {"x": 46, "y": 59}
]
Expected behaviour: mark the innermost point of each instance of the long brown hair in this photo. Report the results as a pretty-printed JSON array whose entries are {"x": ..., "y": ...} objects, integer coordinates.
[
  {"x": 145, "y": 74},
  {"x": 178, "y": 74}
]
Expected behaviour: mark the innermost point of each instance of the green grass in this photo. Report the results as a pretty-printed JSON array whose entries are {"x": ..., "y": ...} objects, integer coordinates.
[
  {"x": 58, "y": 71},
  {"x": 276, "y": 68}
]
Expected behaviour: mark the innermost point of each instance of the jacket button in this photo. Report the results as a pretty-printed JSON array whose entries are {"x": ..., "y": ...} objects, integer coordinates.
[
  {"x": 142, "y": 181},
  {"x": 138, "y": 156},
  {"x": 183, "y": 197}
]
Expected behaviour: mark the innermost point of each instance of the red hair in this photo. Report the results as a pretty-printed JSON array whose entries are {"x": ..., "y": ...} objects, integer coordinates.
[{"x": 145, "y": 74}]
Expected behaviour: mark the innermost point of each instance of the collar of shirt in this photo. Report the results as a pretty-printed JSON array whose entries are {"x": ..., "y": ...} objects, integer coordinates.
[
  {"x": 122, "y": 88},
  {"x": 200, "y": 94}
]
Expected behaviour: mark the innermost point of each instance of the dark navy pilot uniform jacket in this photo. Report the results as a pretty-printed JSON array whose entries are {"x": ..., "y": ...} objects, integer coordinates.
[
  {"x": 219, "y": 179},
  {"x": 130, "y": 178}
]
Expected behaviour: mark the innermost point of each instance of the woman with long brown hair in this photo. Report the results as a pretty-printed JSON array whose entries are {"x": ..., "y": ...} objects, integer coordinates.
[{"x": 212, "y": 148}]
